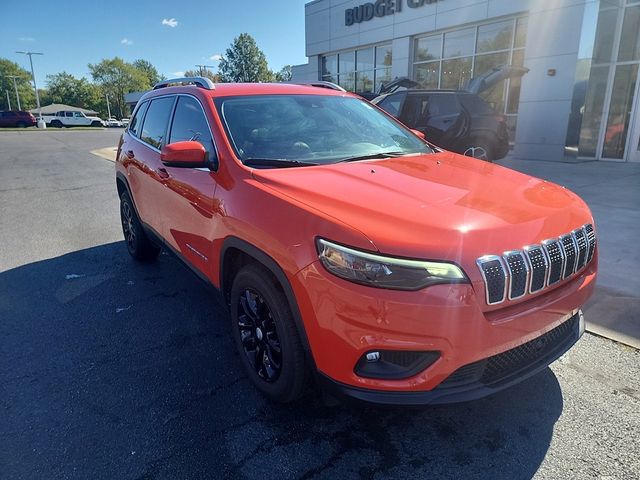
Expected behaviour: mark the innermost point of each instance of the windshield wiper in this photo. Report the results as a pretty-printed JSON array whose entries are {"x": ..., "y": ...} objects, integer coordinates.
[
  {"x": 275, "y": 162},
  {"x": 373, "y": 156}
]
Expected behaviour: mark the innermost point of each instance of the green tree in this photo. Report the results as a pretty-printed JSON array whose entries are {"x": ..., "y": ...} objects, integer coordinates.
[
  {"x": 117, "y": 77},
  {"x": 214, "y": 77},
  {"x": 244, "y": 62},
  {"x": 284, "y": 75},
  {"x": 149, "y": 71},
  {"x": 23, "y": 82}
]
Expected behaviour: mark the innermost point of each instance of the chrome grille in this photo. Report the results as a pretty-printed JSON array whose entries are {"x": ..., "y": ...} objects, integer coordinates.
[
  {"x": 555, "y": 255},
  {"x": 520, "y": 272}
]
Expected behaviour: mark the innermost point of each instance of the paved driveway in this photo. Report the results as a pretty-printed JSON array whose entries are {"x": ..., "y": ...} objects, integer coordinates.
[{"x": 113, "y": 369}]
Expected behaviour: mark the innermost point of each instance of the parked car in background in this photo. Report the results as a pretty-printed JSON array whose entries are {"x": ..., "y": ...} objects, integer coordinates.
[
  {"x": 17, "y": 118},
  {"x": 68, "y": 118},
  {"x": 456, "y": 120},
  {"x": 112, "y": 122},
  {"x": 348, "y": 249},
  {"x": 125, "y": 122}
]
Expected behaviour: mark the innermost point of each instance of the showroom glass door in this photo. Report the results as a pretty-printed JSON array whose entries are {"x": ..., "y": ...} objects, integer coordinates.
[{"x": 620, "y": 131}]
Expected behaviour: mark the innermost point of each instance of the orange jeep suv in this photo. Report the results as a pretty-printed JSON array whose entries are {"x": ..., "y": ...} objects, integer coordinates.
[{"x": 348, "y": 248}]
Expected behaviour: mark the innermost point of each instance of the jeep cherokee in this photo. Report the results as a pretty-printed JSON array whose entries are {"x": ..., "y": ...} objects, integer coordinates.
[{"x": 348, "y": 248}]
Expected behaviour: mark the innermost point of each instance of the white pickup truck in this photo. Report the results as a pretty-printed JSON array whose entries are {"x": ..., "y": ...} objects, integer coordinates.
[{"x": 67, "y": 118}]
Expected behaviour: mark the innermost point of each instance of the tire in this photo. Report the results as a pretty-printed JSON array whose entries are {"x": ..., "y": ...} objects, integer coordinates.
[
  {"x": 138, "y": 244},
  {"x": 96, "y": 124},
  {"x": 480, "y": 149},
  {"x": 262, "y": 322},
  {"x": 56, "y": 124}
]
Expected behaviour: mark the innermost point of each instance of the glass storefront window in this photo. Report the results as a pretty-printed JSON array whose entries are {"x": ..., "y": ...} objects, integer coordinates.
[
  {"x": 428, "y": 48},
  {"x": 346, "y": 62},
  {"x": 347, "y": 81},
  {"x": 522, "y": 25},
  {"x": 615, "y": 137},
  {"x": 604, "y": 36},
  {"x": 593, "y": 107},
  {"x": 428, "y": 74},
  {"x": 382, "y": 75},
  {"x": 456, "y": 73},
  {"x": 364, "y": 59},
  {"x": 329, "y": 65},
  {"x": 459, "y": 43},
  {"x": 484, "y": 63},
  {"x": 495, "y": 36},
  {"x": 630, "y": 40},
  {"x": 364, "y": 81},
  {"x": 383, "y": 56}
]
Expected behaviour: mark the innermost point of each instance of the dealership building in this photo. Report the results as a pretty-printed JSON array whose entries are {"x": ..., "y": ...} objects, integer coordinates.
[{"x": 579, "y": 100}]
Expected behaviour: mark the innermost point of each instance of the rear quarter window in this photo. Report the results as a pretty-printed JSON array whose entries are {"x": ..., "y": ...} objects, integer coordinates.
[
  {"x": 154, "y": 126},
  {"x": 135, "y": 125}
]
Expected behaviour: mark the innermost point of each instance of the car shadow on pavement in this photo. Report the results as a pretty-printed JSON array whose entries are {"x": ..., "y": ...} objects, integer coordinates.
[{"x": 115, "y": 369}]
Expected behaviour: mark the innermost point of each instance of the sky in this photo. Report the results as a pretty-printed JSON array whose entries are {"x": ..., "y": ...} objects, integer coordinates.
[{"x": 173, "y": 35}]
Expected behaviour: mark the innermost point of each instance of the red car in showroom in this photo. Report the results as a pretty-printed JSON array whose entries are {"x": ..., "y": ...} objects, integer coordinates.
[{"x": 348, "y": 248}]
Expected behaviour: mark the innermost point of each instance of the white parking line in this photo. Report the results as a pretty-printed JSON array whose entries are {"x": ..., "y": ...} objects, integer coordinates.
[{"x": 108, "y": 153}]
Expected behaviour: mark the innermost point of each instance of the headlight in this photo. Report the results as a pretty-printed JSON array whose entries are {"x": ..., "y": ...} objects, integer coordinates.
[{"x": 385, "y": 272}]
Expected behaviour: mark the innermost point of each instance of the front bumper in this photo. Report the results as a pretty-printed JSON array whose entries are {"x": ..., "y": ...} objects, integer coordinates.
[
  {"x": 343, "y": 321},
  {"x": 478, "y": 379}
]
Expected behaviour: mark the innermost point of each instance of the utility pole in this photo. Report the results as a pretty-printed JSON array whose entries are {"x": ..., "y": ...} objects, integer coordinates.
[
  {"x": 108, "y": 107},
  {"x": 8, "y": 100},
  {"x": 203, "y": 68},
  {"x": 41, "y": 123},
  {"x": 15, "y": 86}
]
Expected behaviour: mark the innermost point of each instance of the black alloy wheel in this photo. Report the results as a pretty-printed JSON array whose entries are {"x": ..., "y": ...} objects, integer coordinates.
[
  {"x": 266, "y": 335},
  {"x": 138, "y": 244},
  {"x": 259, "y": 336}
]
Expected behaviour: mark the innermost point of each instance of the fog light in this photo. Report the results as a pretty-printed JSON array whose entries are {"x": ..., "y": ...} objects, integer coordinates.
[
  {"x": 394, "y": 364},
  {"x": 373, "y": 356}
]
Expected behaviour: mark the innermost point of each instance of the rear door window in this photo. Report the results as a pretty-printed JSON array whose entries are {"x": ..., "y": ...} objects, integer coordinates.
[
  {"x": 154, "y": 127},
  {"x": 443, "y": 104},
  {"x": 135, "y": 125},
  {"x": 190, "y": 123}
]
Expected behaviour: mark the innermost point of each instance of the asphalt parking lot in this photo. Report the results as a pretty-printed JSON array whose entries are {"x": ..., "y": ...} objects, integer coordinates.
[{"x": 114, "y": 369}]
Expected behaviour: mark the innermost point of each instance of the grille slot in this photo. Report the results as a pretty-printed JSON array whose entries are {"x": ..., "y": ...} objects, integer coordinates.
[
  {"x": 591, "y": 239},
  {"x": 518, "y": 271},
  {"x": 581, "y": 241},
  {"x": 569, "y": 248},
  {"x": 538, "y": 265},
  {"x": 495, "y": 278},
  {"x": 555, "y": 255}
]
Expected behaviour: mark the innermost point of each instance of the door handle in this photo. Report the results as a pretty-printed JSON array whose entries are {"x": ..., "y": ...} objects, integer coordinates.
[
  {"x": 162, "y": 173},
  {"x": 129, "y": 154}
]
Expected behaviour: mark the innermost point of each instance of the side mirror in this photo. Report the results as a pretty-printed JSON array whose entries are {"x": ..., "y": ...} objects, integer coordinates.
[
  {"x": 417, "y": 133},
  {"x": 184, "y": 154}
]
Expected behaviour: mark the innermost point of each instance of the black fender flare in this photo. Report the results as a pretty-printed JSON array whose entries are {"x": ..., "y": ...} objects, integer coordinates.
[{"x": 272, "y": 266}]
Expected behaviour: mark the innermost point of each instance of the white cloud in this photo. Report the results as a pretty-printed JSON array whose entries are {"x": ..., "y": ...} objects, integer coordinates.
[
  {"x": 126, "y": 41},
  {"x": 170, "y": 22},
  {"x": 177, "y": 74},
  {"x": 27, "y": 39},
  {"x": 216, "y": 57}
]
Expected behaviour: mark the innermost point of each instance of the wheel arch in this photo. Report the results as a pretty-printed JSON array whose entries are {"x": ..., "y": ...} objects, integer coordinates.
[{"x": 234, "y": 254}]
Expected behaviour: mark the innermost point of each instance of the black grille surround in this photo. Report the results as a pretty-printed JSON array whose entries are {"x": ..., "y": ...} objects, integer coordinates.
[{"x": 536, "y": 266}]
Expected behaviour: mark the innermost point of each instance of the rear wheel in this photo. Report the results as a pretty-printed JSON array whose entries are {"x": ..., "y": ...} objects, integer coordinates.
[
  {"x": 480, "y": 149},
  {"x": 138, "y": 244},
  {"x": 266, "y": 335}
]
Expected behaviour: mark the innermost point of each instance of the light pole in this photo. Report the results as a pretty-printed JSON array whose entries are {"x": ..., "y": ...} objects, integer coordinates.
[
  {"x": 203, "y": 68},
  {"x": 41, "y": 123},
  {"x": 108, "y": 107},
  {"x": 8, "y": 100},
  {"x": 15, "y": 86}
]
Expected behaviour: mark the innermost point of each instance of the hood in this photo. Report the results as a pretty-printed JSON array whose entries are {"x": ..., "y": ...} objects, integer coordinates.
[
  {"x": 437, "y": 206},
  {"x": 488, "y": 79}
]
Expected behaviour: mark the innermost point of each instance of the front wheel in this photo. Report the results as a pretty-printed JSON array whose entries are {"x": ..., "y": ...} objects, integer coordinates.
[
  {"x": 56, "y": 123},
  {"x": 138, "y": 244},
  {"x": 266, "y": 335},
  {"x": 96, "y": 124}
]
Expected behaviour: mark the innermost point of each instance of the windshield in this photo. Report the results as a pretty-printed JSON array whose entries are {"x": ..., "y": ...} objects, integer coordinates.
[{"x": 312, "y": 129}]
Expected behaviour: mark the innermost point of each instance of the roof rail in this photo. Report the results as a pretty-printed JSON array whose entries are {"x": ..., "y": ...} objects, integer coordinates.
[
  {"x": 201, "y": 82},
  {"x": 323, "y": 84}
]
